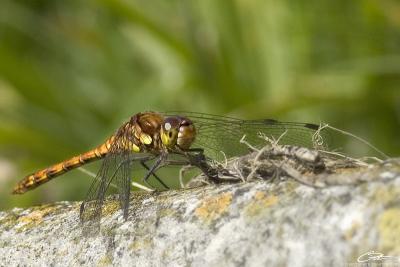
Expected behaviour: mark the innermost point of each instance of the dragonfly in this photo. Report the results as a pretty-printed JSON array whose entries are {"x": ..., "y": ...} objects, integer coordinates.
[{"x": 162, "y": 139}]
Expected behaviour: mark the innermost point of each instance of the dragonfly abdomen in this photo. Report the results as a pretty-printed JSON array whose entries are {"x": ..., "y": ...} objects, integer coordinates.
[{"x": 35, "y": 179}]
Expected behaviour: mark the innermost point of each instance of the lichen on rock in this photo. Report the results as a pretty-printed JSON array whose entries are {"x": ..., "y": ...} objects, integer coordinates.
[{"x": 286, "y": 212}]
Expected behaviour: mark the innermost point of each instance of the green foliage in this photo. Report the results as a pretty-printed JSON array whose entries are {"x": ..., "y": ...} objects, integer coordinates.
[{"x": 72, "y": 71}]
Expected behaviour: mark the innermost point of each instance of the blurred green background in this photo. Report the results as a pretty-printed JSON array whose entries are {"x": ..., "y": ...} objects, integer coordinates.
[{"x": 72, "y": 71}]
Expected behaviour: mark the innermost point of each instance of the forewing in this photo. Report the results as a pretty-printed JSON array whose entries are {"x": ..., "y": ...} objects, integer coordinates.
[{"x": 219, "y": 133}]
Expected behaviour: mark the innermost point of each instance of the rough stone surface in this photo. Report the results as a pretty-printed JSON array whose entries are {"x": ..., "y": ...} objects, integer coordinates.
[{"x": 257, "y": 223}]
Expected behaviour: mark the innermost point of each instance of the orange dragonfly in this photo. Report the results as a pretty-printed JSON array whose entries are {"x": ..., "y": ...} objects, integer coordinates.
[{"x": 196, "y": 138}]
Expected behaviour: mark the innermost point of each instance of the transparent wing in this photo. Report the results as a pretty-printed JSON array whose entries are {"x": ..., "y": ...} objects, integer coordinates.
[
  {"x": 219, "y": 133},
  {"x": 117, "y": 166},
  {"x": 91, "y": 207}
]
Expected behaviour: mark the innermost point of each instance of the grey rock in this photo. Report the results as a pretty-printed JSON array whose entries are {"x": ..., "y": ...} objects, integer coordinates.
[{"x": 260, "y": 222}]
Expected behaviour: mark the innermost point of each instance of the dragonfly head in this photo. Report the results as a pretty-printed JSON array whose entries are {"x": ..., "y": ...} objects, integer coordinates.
[{"x": 177, "y": 131}]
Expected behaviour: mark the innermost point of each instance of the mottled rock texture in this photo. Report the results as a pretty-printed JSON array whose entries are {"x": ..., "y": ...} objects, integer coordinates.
[{"x": 262, "y": 222}]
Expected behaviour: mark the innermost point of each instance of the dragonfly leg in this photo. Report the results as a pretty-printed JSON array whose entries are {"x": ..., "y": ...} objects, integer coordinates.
[
  {"x": 198, "y": 159},
  {"x": 156, "y": 165},
  {"x": 151, "y": 172}
]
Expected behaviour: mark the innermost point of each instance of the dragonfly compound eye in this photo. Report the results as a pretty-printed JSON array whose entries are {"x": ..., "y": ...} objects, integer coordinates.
[
  {"x": 187, "y": 133},
  {"x": 177, "y": 131},
  {"x": 169, "y": 131}
]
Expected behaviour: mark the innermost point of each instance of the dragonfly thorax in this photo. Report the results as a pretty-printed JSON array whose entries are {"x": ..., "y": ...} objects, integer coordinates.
[{"x": 178, "y": 132}]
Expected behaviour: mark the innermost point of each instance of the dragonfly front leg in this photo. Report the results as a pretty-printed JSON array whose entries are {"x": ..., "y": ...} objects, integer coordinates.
[{"x": 198, "y": 159}]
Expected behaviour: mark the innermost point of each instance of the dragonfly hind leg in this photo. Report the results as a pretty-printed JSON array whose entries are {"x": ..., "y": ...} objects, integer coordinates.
[{"x": 151, "y": 172}]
